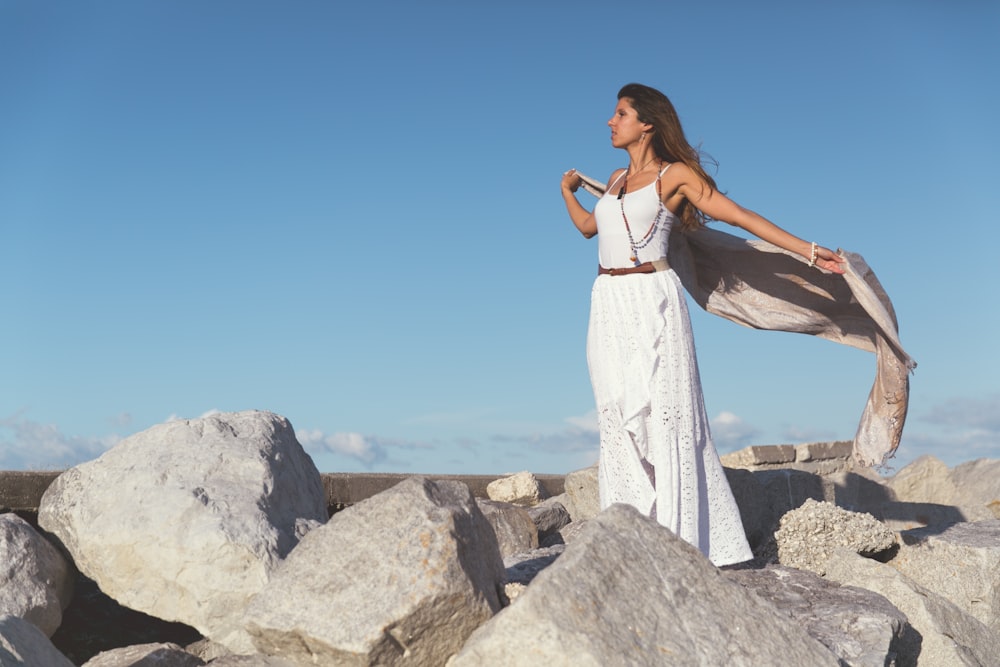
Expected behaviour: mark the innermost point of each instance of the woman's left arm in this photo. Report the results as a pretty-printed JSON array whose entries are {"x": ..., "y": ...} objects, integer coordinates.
[{"x": 716, "y": 205}]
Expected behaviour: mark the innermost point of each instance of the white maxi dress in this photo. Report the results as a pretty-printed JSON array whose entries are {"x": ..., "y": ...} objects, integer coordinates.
[{"x": 656, "y": 447}]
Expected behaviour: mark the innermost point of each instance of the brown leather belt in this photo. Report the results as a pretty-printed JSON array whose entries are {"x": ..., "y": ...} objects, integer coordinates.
[{"x": 645, "y": 267}]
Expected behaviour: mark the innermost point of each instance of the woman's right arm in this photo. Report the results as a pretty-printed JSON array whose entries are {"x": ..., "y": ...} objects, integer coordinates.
[{"x": 581, "y": 217}]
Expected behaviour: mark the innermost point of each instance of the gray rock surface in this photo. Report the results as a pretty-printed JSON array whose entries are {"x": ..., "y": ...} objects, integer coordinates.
[
  {"x": 960, "y": 562},
  {"x": 550, "y": 516},
  {"x": 945, "y": 635},
  {"x": 146, "y": 655},
  {"x": 36, "y": 582},
  {"x": 22, "y": 643},
  {"x": 977, "y": 488},
  {"x": 628, "y": 592},
  {"x": 186, "y": 520},
  {"x": 925, "y": 480},
  {"x": 514, "y": 529},
  {"x": 581, "y": 491},
  {"x": 808, "y": 535},
  {"x": 859, "y": 626},
  {"x": 400, "y": 578}
]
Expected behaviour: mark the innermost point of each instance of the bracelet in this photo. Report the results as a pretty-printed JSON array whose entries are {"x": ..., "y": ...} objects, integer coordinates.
[{"x": 812, "y": 258}]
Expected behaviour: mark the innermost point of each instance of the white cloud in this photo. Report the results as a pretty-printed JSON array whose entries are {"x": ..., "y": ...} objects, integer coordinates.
[
  {"x": 587, "y": 422},
  {"x": 730, "y": 432},
  {"x": 29, "y": 445},
  {"x": 956, "y": 430},
  {"x": 968, "y": 413},
  {"x": 353, "y": 445},
  {"x": 367, "y": 449},
  {"x": 580, "y": 435}
]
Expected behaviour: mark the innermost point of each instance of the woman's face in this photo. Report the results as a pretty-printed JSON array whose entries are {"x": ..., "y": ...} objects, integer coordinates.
[{"x": 625, "y": 126}]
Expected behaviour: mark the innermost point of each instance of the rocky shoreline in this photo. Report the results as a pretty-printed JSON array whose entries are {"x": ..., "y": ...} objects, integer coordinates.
[{"x": 210, "y": 542}]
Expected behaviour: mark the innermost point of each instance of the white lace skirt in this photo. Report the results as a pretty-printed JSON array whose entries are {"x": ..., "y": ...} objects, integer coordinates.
[{"x": 656, "y": 448}]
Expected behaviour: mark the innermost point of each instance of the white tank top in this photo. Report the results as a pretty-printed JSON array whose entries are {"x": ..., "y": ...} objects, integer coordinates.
[{"x": 649, "y": 220}]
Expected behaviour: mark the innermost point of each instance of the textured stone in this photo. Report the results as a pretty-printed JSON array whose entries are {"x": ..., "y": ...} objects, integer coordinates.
[
  {"x": 584, "y": 499},
  {"x": 925, "y": 480},
  {"x": 944, "y": 634},
  {"x": 758, "y": 522},
  {"x": 977, "y": 488},
  {"x": 186, "y": 520},
  {"x": 36, "y": 582},
  {"x": 629, "y": 592},
  {"x": 550, "y": 516},
  {"x": 22, "y": 643},
  {"x": 821, "y": 451},
  {"x": 253, "y": 661},
  {"x": 522, "y": 568},
  {"x": 518, "y": 489},
  {"x": 808, "y": 535},
  {"x": 960, "y": 563},
  {"x": 145, "y": 655},
  {"x": 860, "y": 627},
  {"x": 515, "y": 530},
  {"x": 404, "y": 576}
]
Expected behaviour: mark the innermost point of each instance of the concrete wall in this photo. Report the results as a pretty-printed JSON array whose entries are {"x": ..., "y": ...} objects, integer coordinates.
[{"x": 21, "y": 491}]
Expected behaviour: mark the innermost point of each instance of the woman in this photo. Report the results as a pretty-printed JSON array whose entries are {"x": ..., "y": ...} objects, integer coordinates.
[{"x": 656, "y": 449}]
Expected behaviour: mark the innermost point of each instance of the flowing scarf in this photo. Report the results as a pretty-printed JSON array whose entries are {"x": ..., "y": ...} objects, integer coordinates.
[{"x": 762, "y": 286}]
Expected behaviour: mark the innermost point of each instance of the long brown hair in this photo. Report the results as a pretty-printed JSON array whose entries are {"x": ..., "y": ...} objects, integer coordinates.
[{"x": 669, "y": 142}]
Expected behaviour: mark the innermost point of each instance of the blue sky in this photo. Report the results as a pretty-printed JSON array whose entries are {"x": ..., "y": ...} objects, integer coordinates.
[{"x": 349, "y": 214}]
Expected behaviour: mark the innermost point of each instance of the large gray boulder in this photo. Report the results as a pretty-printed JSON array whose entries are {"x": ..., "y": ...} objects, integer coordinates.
[
  {"x": 22, "y": 643},
  {"x": 515, "y": 530},
  {"x": 945, "y": 635},
  {"x": 36, "y": 582},
  {"x": 860, "y": 627},
  {"x": 186, "y": 520},
  {"x": 146, "y": 655},
  {"x": 960, "y": 562},
  {"x": 629, "y": 592},
  {"x": 400, "y": 578},
  {"x": 808, "y": 535}
]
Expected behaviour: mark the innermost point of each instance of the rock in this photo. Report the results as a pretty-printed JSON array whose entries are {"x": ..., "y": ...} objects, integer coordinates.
[
  {"x": 514, "y": 529},
  {"x": 256, "y": 660},
  {"x": 408, "y": 573},
  {"x": 808, "y": 535},
  {"x": 770, "y": 495},
  {"x": 145, "y": 655},
  {"x": 977, "y": 488},
  {"x": 36, "y": 582},
  {"x": 925, "y": 480},
  {"x": 186, "y": 520},
  {"x": 960, "y": 563},
  {"x": 519, "y": 489},
  {"x": 22, "y": 643},
  {"x": 550, "y": 516},
  {"x": 944, "y": 634},
  {"x": 860, "y": 627},
  {"x": 629, "y": 592},
  {"x": 758, "y": 524},
  {"x": 581, "y": 489},
  {"x": 522, "y": 568}
]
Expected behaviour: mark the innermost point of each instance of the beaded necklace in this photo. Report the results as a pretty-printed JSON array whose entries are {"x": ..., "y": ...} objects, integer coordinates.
[{"x": 648, "y": 236}]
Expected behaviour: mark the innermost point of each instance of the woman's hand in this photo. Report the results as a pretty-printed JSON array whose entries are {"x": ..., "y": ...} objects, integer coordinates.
[
  {"x": 570, "y": 181},
  {"x": 582, "y": 219},
  {"x": 829, "y": 260}
]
